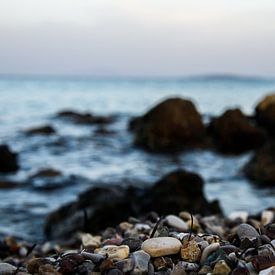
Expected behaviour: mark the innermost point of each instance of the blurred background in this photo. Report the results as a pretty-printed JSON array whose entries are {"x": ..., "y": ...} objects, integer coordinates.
[{"x": 110, "y": 61}]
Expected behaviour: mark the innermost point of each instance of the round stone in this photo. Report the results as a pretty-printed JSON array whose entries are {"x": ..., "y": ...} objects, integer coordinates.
[
  {"x": 161, "y": 246},
  {"x": 245, "y": 230},
  {"x": 176, "y": 222},
  {"x": 114, "y": 252},
  {"x": 7, "y": 269}
]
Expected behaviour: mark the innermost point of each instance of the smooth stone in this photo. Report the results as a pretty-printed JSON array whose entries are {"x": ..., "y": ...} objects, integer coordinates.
[
  {"x": 95, "y": 258},
  {"x": 141, "y": 259},
  {"x": 266, "y": 250},
  {"x": 176, "y": 222},
  {"x": 126, "y": 265},
  {"x": 242, "y": 215},
  {"x": 7, "y": 269},
  {"x": 178, "y": 270},
  {"x": 89, "y": 240},
  {"x": 190, "y": 251},
  {"x": 245, "y": 230},
  {"x": 161, "y": 246},
  {"x": 208, "y": 250},
  {"x": 205, "y": 270},
  {"x": 268, "y": 271},
  {"x": 114, "y": 252},
  {"x": 221, "y": 268},
  {"x": 267, "y": 217},
  {"x": 133, "y": 243},
  {"x": 189, "y": 267}
]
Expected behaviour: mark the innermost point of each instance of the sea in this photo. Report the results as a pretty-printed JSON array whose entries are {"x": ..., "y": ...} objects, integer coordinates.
[{"x": 87, "y": 158}]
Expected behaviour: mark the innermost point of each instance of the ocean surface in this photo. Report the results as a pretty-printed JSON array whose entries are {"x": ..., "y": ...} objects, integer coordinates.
[{"x": 87, "y": 158}]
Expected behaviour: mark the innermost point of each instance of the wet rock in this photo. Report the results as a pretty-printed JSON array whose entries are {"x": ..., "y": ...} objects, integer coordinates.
[
  {"x": 7, "y": 269},
  {"x": 119, "y": 203},
  {"x": 245, "y": 230},
  {"x": 46, "y": 173},
  {"x": 141, "y": 262},
  {"x": 43, "y": 130},
  {"x": 176, "y": 222},
  {"x": 85, "y": 118},
  {"x": 178, "y": 190},
  {"x": 161, "y": 246},
  {"x": 114, "y": 252},
  {"x": 261, "y": 167},
  {"x": 8, "y": 160},
  {"x": 234, "y": 133},
  {"x": 190, "y": 251},
  {"x": 265, "y": 113},
  {"x": 174, "y": 123},
  {"x": 221, "y": 268}
]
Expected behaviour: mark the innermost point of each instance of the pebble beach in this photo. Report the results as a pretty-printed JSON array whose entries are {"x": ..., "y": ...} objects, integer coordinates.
[{"x": 183, "y": 244}]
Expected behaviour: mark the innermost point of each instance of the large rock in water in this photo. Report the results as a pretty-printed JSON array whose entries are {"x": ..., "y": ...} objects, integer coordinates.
[
  {"x": 8, "y": 160},
  {"x": 261, "y": 167},
  {"x": 173, "y": 124},
  {"x": 234, "y": 133},
  {"x": 101, "y": 207},
  {"x": 265, "y": 113}
]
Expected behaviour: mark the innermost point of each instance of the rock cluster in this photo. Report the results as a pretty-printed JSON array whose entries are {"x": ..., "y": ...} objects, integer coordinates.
[
  {"x": 183, "y": 244},
  {"x": 177, "y": 190}
]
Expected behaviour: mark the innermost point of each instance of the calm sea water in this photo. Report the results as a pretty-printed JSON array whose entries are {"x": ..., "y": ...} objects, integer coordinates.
[{"x": 96, "y": 159}]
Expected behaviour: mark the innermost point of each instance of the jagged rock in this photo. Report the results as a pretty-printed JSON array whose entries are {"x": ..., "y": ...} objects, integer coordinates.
[{"x": 8, "y": 160}]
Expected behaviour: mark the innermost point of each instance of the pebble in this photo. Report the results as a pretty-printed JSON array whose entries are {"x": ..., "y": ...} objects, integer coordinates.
[
  {"x": 176, "y": 222},
  {"x": 190, "y": 267},
  {"x": 114, "y": 252},
  {"x": 268, "y": 271},
  {"x": 141, "y": 262},
  {"x": 178, "y": 270},
  {"x": 161, "y": 246},
  {"x": 190, "y": 251},
  {"x": 245, "y": 230},
  {"x": 267, "y": 217},
  {"x": 221, "y": 268},
  {"x": 7, "y": 269},
  {"x": 89, "y": 240},
  {"x": 208, "y": 250}
]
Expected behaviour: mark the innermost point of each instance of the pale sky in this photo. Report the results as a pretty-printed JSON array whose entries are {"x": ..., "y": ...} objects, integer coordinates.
[{"x": 137, "y": 37}]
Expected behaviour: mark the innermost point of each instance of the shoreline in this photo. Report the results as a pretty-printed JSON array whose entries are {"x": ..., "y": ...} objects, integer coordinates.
[{"x": 183, "y": 244}]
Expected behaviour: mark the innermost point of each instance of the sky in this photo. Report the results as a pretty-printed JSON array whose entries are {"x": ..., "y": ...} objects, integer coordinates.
[{"x": 137, "y": 37}]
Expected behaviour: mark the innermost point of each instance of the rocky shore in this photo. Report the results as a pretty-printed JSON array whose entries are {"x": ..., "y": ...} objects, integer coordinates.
[{"x": 170, "y": 244}]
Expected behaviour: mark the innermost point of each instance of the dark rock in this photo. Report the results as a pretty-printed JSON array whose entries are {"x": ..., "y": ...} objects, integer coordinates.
[
  {"x": 43, "y": 130},
  {"x": 103, "y": 207},
  {"x": 134, "y": 244},
  {"x": 234, "y": 133},
  {"x": 46, "y": 173},
  {"x": 85, "y": 118},
  {"x": 265, "y": 113},
  {"x": 173, "y": 124},
  {"x": 261, "y": 167},
  {"x": 8, "y": 160},
  {"x": 178, "y": 191}
]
